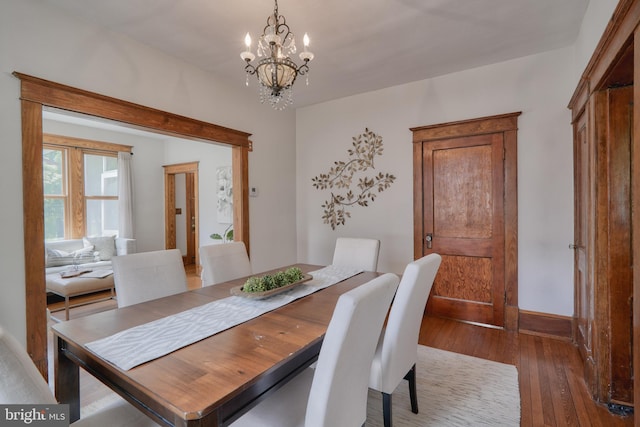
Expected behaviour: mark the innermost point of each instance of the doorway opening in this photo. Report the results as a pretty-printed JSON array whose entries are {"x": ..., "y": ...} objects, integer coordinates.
[{"x": 181, "y": 210}]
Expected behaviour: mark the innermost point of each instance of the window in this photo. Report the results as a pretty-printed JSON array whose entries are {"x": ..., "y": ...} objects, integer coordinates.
[
  {"x": 101, "y": 194},
  {"x": 80, "y": 181},
  {"x": 56, "y": 200}
]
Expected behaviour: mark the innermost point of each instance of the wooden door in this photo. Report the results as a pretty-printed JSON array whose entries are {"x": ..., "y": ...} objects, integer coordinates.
[
  {"x": 584, "y": 294},
  {"x": 603, "y": 273},
  {"x": 464, "y": 223},
  {"x": 465, "y": 204}
]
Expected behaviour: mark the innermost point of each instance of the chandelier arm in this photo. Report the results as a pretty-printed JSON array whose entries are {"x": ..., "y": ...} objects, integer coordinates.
[
  {"x": 250, "y": 69},
  {"x": 304, "y": 68}
]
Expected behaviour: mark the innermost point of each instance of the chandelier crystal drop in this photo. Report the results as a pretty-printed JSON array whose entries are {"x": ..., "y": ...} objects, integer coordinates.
[{"x": 276, "y": 72}]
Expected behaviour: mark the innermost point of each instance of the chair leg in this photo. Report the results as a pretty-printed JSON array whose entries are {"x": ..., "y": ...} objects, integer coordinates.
[
  {"x": 66, "y": 307},
  {"x": 413, "y": 395},
  {"x": 386, "y": 409}
]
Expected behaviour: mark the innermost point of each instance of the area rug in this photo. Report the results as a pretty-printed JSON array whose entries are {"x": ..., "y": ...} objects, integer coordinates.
[{"x": 453, "y": 390}]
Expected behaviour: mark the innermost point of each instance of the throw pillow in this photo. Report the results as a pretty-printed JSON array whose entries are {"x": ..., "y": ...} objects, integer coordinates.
[
  {"x": 57, "y": 257},
  {"x": 104, "y": 245}
]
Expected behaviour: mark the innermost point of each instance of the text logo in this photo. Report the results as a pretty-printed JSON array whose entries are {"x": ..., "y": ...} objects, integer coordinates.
[{"x": 56, "y": 415}]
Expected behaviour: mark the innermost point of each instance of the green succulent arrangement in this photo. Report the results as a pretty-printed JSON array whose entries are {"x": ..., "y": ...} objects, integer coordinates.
[
  {"x": 227, "y": 236},
  {"x": 273, "y": 281}
]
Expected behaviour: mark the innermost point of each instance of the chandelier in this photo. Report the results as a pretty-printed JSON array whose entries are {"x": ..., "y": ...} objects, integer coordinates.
[{"x": 276, "y": 72}]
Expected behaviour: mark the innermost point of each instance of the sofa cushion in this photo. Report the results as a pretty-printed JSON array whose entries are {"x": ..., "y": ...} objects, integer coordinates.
[
  {"x": 57, "y": 257},
  {"x": 92, "y": 265},
  {"x": 67, "y": 245},
  {"x": 104, "y": 245}
]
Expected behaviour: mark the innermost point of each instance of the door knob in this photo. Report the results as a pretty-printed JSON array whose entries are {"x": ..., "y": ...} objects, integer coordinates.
[{"x": 429, "y": 240}]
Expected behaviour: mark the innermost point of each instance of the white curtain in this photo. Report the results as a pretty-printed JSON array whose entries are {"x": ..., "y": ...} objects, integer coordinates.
[{"x": 125, "y": 196}]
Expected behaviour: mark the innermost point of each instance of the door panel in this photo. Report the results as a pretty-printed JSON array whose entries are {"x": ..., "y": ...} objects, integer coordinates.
[
  {"x": 583, "y": 293},
  {"x": 190, "y": 219},
  {"x": 463, "y": 184}
]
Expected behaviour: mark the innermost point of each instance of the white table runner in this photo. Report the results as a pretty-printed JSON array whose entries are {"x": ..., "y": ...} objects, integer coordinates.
[{"x": 135, "y": 346}]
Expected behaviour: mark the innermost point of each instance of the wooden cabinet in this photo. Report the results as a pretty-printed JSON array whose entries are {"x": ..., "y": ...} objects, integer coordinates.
[{"x": 603, "y": 120}]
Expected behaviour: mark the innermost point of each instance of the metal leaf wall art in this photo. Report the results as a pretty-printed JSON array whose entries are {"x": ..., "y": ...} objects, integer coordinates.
[{"x": 344, "y": 174}]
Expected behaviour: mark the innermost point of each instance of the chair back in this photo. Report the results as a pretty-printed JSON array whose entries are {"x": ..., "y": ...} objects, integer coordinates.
[
  {"x": 399, "y": 350},
  {"x": 21, "y": 383},
  {"x": 338, "y": 395},
  {"x": 357, "y": 253},
  {"x": 224, "y": 262},
  {"x": 145, "y": 276},
  {"x": 20, "y": 380}
]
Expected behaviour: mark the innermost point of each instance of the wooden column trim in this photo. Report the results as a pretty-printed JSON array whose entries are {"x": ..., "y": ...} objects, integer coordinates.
[
  {"x": 33, "y": 205},
  {"x": 240, "y": 157},
  {"x": 635, "y": 221},
  {"x": 511, "y": 228}
]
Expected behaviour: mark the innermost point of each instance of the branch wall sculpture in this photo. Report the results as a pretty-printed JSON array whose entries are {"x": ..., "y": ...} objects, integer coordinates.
[{"x": 341, "y": 176}]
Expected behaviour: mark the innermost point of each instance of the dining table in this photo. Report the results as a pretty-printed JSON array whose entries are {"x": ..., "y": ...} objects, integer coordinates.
[{"x": 210, "y": 382}]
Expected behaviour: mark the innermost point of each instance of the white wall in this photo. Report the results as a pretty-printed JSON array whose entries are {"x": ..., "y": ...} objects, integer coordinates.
[
  {"x": 38, "y": 40},
  {"x": 594, "y": 22},
  {"x": 540, "y": 86}
]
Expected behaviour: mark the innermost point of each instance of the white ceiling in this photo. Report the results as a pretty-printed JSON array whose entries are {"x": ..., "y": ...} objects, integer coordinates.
[{"x": 359, "y": 45}]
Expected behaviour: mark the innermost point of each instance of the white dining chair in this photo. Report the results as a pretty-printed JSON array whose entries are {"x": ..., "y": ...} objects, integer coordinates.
[
  {"x": 223, "y": 262},
  {"x": 397, "y": 350},
  {"x": 21, "y": 383},
  {"x": 145, "y": 276},
  {"x": 335, "y": 392},
  {"x": 357, "y": 252}
]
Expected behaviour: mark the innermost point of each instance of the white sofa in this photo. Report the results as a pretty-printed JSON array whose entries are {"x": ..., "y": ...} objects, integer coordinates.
[{"x": 91, "y": 253}]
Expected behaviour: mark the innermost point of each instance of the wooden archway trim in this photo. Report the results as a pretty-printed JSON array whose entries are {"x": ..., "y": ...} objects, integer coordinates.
[
  {"x": 69, "y": 98},
  {"x": 35, "y": 93}
]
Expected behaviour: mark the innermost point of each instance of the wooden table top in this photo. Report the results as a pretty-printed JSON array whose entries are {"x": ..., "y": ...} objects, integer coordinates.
[{"x": 214, "y": 379}]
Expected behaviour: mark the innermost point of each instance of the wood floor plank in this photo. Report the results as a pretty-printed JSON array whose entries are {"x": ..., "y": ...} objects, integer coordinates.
[
  {"x": 524, "y": 376},
  {"x": 564, "y": 410},
  {"x": 537, "y": 393}
]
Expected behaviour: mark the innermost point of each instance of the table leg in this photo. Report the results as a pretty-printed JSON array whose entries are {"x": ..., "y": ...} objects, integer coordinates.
[{"x": 67, "y": 380}]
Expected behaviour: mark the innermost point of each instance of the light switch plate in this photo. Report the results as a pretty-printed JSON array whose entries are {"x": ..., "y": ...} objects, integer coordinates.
[{"x": 253, "y": 191}]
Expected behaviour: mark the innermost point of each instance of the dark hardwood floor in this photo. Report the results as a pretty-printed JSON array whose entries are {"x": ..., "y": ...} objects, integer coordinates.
[{"x": 552, "y": 390}]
